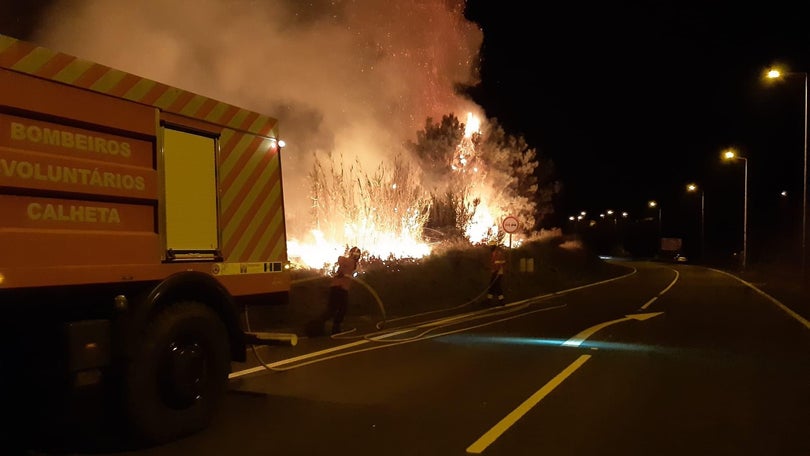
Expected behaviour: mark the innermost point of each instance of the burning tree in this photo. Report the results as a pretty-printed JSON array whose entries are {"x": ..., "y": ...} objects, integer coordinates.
[
  {"x": 445, "y": 155},
  {"x": 525, "y": 181},
  {"x": 476, "y": 177}
]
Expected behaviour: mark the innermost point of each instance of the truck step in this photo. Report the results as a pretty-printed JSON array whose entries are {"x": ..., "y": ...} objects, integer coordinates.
[{"x": 271, "y": 338}]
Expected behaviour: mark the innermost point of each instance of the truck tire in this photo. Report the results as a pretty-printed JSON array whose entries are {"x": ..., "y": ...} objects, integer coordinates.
[{"x": 179, "y": 373}]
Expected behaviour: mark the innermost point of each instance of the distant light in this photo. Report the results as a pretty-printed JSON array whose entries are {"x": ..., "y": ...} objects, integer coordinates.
[
  {"x": 281, "y": 143},
  {"x": 691, "y": 187},
  {"x": 583, "y": 213},
  {"x": 773, "y": 74},
  {"x": 602, "y": 215},
  {"x": 652, "y": 203},
  {"x": 625, "y": 214},
  {"x": 609, "y": 212},
  {"x": 783, "y": 193},
  {"x": 571, "y": 218},
  {"x": 729, "y": 154}
]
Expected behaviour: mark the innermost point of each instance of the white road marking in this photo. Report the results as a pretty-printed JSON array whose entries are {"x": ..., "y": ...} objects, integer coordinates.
[
  {"x": 297, "y": 358},
  {"x": 647, "y": 304},
  {"x": 577, "y": 340},
  {"x": 785, "y": 308}
]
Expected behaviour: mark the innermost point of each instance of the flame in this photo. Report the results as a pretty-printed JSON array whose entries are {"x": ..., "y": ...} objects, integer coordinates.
[
  {"x": 472, "y": 126},
  {"x": 484, "y": 224},
  {"x": 386, "y": 218}
]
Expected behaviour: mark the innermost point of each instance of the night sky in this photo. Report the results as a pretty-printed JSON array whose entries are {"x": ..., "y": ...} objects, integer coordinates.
[{"x": 632, "y": 100}]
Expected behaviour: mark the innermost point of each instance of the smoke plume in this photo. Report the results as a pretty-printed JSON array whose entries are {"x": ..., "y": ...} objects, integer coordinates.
[{"x": 354, "y": 78}]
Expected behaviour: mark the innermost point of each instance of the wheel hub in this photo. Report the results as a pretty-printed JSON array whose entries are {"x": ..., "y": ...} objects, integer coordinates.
[{"x": 182, "y": 374}]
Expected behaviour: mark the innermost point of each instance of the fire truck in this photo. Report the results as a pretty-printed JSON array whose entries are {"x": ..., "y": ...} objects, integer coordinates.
[{"x": 137, "y": 220}]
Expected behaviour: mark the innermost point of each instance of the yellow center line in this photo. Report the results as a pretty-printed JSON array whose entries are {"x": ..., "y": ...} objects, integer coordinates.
[{"x": 490, "y": 436}]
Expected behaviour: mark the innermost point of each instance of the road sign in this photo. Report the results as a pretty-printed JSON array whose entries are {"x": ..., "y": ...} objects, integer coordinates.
[{"x": 510, "y": 224}]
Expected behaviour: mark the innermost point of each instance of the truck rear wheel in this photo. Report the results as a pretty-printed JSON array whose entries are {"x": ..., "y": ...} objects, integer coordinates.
[{"x": 179, "y": 373}]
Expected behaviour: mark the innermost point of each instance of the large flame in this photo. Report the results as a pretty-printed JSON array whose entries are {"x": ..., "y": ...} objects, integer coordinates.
[{"x": 385, "y": 215}]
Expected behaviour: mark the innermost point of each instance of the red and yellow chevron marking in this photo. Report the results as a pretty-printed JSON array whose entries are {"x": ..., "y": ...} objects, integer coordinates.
[
  {"x": 28, "y": 58},
  {"x": 251, "y": 201}
]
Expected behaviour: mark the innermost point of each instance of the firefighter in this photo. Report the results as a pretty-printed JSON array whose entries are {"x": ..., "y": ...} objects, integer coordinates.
[
  {"x": 497, "y": 264},
  {"x": 339, "y": 289}
]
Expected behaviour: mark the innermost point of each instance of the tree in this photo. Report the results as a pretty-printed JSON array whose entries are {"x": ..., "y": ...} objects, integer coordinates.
[
  {"x": 470, "y": 172},
  {"x": 434, "y": 150}
]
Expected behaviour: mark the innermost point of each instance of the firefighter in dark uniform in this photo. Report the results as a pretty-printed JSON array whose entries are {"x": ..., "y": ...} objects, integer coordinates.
[
  {"x": 339, "y": 289},
  {"x": 497, "y": 264}
]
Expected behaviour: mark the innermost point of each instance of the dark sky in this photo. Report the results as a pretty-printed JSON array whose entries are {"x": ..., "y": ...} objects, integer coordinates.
[{"x": 632, "y": 100}]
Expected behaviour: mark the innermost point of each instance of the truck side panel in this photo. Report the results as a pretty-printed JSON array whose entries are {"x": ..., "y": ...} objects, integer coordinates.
[{"x": 81, "y": 149}]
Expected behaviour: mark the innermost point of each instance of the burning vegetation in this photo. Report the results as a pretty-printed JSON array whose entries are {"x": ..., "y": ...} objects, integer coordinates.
[{"x": 454, "y": 186}]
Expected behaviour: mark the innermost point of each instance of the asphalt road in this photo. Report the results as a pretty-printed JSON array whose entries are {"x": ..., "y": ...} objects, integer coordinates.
[{"x": 666, "y": 360}]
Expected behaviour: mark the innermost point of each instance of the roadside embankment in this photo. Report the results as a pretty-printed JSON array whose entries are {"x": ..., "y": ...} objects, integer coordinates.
[{"x": 454, "y": 278}]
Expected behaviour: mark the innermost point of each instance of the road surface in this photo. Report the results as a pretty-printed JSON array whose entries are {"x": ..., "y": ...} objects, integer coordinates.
[{"x": 668, "y": 359}]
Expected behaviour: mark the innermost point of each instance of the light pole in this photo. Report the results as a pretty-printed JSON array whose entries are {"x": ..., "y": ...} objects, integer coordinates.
[
  {"x": 730, "y": 154},
  {"x": 694, "y": 188},
  {"x": 775, "y": 73},
  {"x": 654, "y": 204}
]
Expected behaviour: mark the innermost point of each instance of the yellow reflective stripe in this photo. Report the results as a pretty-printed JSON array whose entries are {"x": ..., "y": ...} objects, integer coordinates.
[
  {"x": 275, "y": 222},
  {"x": 238, "y": 118},
  {"x": 73, "y": 71},
  {"x": 139, "y": 90},
  {"x": 217, "y": 112},
  {"x": 258, "y": 124},
  {"x": 229, "y": 164},
  {"x": 107, "y": 82},
  {"x": 168, "y": 97},
  {"x": 192, "y": 106},
  {"x": 6, "y": 42},
  {"x": 32, "y": 62}
]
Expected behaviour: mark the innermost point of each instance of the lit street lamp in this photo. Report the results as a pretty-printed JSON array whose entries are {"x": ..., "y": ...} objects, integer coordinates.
[
  {"x": 653, "y": 204},
  {"x": 694, "y": 188},
  {"x": 730, "y": 154},
  {"x": 774, "y": 73},
  {"x": 613, "y": 215}
]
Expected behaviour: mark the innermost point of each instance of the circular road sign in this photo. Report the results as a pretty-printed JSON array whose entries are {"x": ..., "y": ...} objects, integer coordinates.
[{"x": 510, "y": 224}]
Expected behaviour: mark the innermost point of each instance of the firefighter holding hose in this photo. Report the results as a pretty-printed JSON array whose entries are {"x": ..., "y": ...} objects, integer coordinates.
[{"x": 497, "y": 265}]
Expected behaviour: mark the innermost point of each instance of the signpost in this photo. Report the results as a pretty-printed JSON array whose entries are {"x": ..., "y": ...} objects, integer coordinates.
[{"x": 510, "y": 224}]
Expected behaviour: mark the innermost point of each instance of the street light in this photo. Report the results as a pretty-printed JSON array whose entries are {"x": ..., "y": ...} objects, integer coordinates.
[
  {"x": 730, "y": 154},
  {"x": 693, "y": 188},
  {"x": 653, "y": 204},
  {"x": 612, "y": 214},
  {"x": 775, "y": 73}
]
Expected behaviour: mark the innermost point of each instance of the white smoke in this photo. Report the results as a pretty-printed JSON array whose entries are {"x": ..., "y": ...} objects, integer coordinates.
[{"x": 352, "y": 77}]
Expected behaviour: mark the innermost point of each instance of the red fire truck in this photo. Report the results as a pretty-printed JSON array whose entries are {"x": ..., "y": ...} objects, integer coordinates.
[{"x": 136, "y": 219}]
